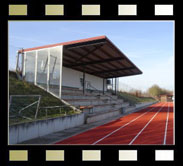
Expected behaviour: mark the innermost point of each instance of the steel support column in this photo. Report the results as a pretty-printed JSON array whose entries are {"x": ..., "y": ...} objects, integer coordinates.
[
  {"x": 112, "y": 85},
  {"x": 17, "y": 64},
  {"x": 24, "y": 60},
  {"x": 115, "y": 87},
  {"x": 35, "y": 69},
  {"x": 48, "y": 71},
  {"x": 103, "y": 86},
  {"x": 84, "y": 82},
  {"x": 61, "y": 64}
]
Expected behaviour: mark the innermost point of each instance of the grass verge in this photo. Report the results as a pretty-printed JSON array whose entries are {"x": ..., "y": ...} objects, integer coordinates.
[{"x": 132, "y": 99}]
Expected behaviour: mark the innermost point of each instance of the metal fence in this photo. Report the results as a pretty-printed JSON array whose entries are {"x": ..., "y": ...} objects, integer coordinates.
[
  {"x": 54, "y": 111},
  {"x": 25, "y": 108},
  {"x": 43, "y": 67}
]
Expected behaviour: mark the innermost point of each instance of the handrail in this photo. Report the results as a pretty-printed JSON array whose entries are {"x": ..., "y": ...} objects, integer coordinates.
[
  {"x": 46, "y": 109},
  {"x": 50, "y": 107},
  {"x": 89, "y": 84}
]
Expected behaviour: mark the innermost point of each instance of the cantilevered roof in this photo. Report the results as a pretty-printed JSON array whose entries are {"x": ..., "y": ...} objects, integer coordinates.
[{"x": 97, "y": 56}]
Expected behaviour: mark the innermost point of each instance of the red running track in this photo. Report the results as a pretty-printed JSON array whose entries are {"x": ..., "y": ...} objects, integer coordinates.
[{"x": 152, "y": 125}]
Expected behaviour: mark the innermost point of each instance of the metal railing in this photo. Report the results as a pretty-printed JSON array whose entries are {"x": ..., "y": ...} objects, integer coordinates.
[
  {"x": 26, "y": 108},
  {"x": 50, "y": 111},
  {"x": 91, "y": 88},
  {"x": 99, "y": 91}
]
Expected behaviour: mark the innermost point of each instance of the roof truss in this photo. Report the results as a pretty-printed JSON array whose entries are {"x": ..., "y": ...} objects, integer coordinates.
[
  {"x": 110, "y": 71},
  {"x": 96, "y": 62}
]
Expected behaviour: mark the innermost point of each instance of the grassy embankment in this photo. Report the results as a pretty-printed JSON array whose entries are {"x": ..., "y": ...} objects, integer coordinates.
[
  {"x": 18, "y": 87},
  {"x": 132, "y": 99}
]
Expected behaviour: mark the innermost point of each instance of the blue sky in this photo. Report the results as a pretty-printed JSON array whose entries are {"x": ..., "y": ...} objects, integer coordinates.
[{"x": 150, "y": 45}]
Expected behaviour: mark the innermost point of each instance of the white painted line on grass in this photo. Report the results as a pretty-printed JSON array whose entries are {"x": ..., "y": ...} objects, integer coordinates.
[
  {"x": 122, "y": 126},
  {"x": 164, "y": 142},
  {"x": 145, "y": 126}
]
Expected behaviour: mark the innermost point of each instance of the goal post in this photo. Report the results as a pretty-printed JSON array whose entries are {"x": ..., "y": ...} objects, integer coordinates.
[{"x": 24, "y": 106}]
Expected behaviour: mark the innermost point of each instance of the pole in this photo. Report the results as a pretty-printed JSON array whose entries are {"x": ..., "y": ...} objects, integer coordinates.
[
  {"x": 103, "y": 85},
  {"x": 24, "y": 60},
  {"x": 112, "y": 85},
  {"x": 115, "y": 86},
  {"x": 84, "y": 82},
  {"x": 48, "y": 71},
  {"x": 35, "y": 68},
  {"x": 17, "y": 64},
  {"x": 61, "y": 63}
]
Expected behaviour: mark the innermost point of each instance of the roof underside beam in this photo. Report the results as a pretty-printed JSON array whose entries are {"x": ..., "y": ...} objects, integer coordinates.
[
  {"x": 88, "y": 53},
  {"x": 122, "y": 75},
  {"x": 93, "y": 67},
  {"x": 96, "y": 62},
  {"x": 110, "y": 71},
  {"x": 88, "y": 43}
]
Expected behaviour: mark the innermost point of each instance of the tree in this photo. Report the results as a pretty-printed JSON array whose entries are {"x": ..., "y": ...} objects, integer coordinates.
[{"x": 155, "y": 91}]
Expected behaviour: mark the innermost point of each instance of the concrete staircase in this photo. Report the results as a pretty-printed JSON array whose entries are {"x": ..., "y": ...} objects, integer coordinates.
[{"x": 104, "y": 105}]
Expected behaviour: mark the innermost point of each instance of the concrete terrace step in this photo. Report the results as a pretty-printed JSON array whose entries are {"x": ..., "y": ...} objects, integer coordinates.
[
  {"x": 101, "y": 103},
  {"x": 107, "y": 107},
  {"x": 77, "y": 96},
  {"x": 95, "y": 117},
  {"x": 76, "y": 90},
  {"x": 84, "y": 102},
  {"x": 128, "y": 109},
  {"x": 99, "y": 113},
  {"x": 80, "y": 93},
  {"x": 86, "y": 92}
]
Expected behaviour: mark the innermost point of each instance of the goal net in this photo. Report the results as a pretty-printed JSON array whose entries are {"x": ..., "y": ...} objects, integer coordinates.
[{"x": 23, "y": 107}]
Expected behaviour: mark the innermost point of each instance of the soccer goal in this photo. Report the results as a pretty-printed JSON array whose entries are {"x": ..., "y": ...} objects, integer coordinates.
[{"x": 23, "y": 107}]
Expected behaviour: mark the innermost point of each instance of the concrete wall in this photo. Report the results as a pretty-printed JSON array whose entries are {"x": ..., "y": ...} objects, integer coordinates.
[
  {"x": 103, "y": 116},
  {"x": 72, "y": 77},
  {"x": 25, "y": 131},
  {"x": 120, "y": 112},
  {"x": 141, "y": 105},
  {"x": 137, "y": 107}
]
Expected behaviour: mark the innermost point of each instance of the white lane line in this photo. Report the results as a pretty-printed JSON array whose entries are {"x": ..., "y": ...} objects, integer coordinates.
[
  {"x": 145, "y": 126},
  {"x": 164, "y": 142},
  {"x": 122, "y": 126}
]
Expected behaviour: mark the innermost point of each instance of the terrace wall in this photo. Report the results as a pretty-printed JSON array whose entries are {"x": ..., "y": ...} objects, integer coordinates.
[{"x": 26, "y": 131}]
